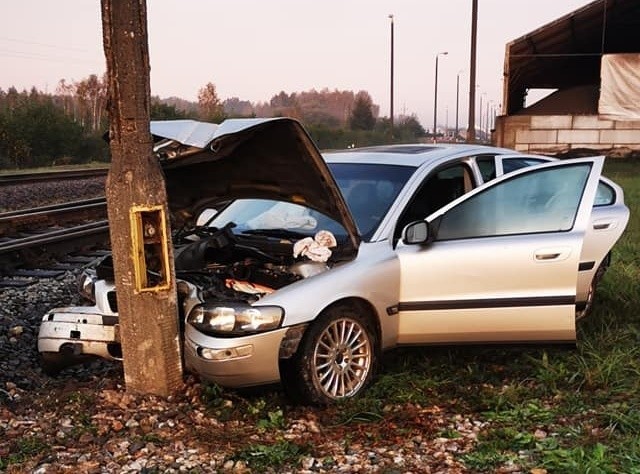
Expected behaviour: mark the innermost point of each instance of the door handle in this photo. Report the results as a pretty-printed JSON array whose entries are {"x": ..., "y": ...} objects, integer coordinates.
[
  {"x": 604, "y": 224},
  {"x": 552, "y": 254},
  {"x": 547, "y": 256}
]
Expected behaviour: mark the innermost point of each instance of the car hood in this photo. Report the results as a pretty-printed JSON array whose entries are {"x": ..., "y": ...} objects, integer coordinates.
[{"x": 205, "y": 164}]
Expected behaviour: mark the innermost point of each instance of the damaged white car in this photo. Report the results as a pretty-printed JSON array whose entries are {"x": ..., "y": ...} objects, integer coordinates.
[{"x": 307, "y": 268}]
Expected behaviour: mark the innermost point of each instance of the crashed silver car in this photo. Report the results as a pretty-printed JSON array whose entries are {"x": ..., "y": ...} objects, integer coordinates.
[{"x": 305, "y": 268}]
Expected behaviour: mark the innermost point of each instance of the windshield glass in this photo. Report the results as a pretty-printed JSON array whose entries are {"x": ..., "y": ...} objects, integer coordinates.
[{"x": 368, "y": 189}]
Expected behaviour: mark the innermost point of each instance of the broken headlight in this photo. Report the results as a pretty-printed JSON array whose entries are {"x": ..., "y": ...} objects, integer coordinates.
[
  {"x": 87, "y": 285},
  {"x": 235, "y": 320}
]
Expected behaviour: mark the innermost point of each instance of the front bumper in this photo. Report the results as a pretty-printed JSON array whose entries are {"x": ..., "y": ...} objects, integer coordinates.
[
  {"x": 80, "y": 331},
  {"x": 234, "y": 362}
]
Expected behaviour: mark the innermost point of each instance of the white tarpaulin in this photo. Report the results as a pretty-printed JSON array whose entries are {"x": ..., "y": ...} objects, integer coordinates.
[{"x": 620, "y": 86}]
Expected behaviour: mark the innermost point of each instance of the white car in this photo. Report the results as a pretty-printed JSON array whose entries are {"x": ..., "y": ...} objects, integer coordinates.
[{"x": 312, "y": 266}]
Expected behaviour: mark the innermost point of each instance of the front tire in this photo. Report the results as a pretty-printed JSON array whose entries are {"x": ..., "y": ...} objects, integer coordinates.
[{"x": 336, "y": 359}]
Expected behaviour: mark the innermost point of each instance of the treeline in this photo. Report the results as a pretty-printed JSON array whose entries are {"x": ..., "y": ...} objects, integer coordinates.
[{"x": 66, "y": 127}]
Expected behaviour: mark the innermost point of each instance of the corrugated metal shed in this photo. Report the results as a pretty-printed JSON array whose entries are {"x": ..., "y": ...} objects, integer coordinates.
[{"x": 566, "y": 52}]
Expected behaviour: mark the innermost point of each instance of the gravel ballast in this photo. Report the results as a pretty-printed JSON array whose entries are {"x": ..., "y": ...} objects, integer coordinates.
[{"x": 85, "y": 421}]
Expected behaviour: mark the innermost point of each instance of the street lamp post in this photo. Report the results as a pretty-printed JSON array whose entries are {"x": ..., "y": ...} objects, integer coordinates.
[
  {"x": 457, "y": 103},
  {"x": 471, "y": 132},
  {"x": 435, "y": 96},
  {"x": 487, "y": 124},
  {"x": 480, "y": 129},
  {"x": 391, "y": 87}
]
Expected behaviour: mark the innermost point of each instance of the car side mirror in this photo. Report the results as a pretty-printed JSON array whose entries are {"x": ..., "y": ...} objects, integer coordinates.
[{"x": 418, "y": 232}]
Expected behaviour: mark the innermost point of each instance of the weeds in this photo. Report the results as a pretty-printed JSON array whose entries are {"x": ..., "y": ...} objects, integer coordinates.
[
  {"x": 24, "y": 449},
  {"x": 264, "y": 458}
]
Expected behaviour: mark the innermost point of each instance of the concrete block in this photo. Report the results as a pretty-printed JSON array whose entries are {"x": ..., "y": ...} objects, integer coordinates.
[
  {"x": 624, "y": 125},
  {"x": 517, "y": 120},
  {"x": 592, "y": 146},
  {"x": 536, "y": 136},
  {"x": 620, "y": 136},
  {"x": 548, "y": 149},
  {"x": 550, "y": 122},
  {"x": 578, "y": 136},
  {"x": 590, "y": 122}
]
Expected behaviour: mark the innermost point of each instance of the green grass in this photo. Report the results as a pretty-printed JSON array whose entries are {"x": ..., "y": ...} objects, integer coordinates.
[
  {"x": 565, "y": 410},
  {"x": 271, "y": 457},
  {"x": 587, "y": 400}
]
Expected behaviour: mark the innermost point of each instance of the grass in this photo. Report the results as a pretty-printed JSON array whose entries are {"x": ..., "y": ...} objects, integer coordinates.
[
  {"x": 565, "y": 410},
  {"x": 587, "y": 400},
  {"x": 271, "y": 457}
]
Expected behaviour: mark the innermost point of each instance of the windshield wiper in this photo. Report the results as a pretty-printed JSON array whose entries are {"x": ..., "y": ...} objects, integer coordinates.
[{"x": 289, "y": 234}]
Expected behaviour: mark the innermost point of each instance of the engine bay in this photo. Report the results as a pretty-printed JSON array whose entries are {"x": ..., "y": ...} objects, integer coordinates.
[{"x": 229, "y": 267}]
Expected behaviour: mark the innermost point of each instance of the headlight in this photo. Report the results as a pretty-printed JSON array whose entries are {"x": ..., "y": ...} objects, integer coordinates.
[
  {"x": 225, "y": 320},
  {"x": 86, "y": 285}
]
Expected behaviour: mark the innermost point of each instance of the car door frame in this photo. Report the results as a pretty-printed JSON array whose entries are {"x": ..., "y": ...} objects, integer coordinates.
[
  {"x": 438, "y": 314},
  {"x": 608, "y": 221}
]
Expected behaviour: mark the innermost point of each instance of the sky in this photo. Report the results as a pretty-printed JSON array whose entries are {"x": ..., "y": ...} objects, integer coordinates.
[{"x": 253, "y": 49}]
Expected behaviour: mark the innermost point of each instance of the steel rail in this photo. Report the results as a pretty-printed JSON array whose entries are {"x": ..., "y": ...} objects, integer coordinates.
[
  {"x": 52, "y": 209},
  {"x": 38, "y": 177},
  {"x": 28, "y": 220},
  {"x": 54, "y": 236}
]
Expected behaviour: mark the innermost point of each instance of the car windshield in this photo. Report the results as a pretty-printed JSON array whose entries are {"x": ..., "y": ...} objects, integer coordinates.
[{"x": 369, "y": 190}]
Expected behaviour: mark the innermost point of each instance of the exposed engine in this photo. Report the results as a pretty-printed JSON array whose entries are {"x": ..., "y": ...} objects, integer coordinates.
[{"x": 226, "y": 267}]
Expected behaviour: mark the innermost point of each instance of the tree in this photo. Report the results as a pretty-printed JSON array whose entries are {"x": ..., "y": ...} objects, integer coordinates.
[
  {"x": 136, "y": 205},
  {"x": 362, "y": 114},
  {"x": 163, "y": 111},
  {"x": 210, "y": 106},
  {"x": 91, "y": 94},
  {"x": 409, "y": 126}
]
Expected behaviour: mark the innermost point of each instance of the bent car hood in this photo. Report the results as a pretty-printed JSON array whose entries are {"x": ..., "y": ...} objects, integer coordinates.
[{"x": 275, "y": 159}]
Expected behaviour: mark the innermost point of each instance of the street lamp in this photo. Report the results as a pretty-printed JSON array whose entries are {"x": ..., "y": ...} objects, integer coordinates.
[
  {"x": 391, "y": 88},
  {"x": 480, "y": 129},
  {"x": 457, "y": 103},
  {"x": 435, "y": 96},
  {"x": 486, "y": 122}
]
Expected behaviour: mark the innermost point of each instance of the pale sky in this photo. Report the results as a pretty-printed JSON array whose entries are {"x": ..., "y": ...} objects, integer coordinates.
[{"x": 253, "y": 49}]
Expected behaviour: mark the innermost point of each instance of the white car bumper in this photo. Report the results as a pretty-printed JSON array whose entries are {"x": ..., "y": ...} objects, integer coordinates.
[
  {"x": 80, "y": 331},
  {"x": 234, "y": 362}
]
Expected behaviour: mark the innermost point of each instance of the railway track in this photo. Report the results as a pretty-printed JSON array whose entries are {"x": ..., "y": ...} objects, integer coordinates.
[
  {"x": 40, "y": 177},
  {"x": 28, "y": 235}
]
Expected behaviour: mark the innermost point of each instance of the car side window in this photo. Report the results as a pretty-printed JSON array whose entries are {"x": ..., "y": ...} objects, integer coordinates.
[
  {"x": 546, "y": 200},
  {"x": 487, "y": 167},
  {"x": 512, "y": 164},
  {"x": 605, "y": 195},
  {"x": 438, "y": 189}
]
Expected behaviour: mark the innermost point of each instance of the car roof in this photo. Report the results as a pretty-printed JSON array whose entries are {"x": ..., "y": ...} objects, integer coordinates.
[{"x": 413, "y": 155}]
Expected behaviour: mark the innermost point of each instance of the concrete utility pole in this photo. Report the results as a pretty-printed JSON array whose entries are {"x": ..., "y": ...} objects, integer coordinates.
[
  {"x": 471, "y": 129},
  {"x": 137, "y": 208},
  {"x": 391, "y": 84}
]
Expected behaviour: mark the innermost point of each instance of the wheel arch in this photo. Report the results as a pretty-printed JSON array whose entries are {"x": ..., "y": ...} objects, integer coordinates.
[{"x": 294, "y": 336}]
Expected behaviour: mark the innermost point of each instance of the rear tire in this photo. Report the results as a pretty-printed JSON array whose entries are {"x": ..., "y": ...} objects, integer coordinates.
[
  {"x": 336, "y": 359},
  {"x": 588, "y": 305}
]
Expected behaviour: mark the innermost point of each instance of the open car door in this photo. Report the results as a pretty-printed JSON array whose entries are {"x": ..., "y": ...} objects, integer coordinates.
[{"x": 501, "y": 262}]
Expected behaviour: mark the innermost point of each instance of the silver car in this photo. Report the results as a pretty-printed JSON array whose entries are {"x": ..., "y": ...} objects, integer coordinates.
[{"x": 309, "y": 267}]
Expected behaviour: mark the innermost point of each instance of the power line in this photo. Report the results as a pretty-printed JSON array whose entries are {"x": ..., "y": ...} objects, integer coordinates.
[
  {"x": 46, "y": 45},
  {"x": 44, "y": 57}
]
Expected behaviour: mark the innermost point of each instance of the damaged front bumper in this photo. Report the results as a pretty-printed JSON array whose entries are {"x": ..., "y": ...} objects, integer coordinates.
[
  {"x": 235, "y": 361},
  {"x": 71, "y": 334}
]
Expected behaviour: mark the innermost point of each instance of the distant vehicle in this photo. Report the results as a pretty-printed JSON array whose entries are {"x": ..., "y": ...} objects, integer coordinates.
[{"x": 314, "y": 265}]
